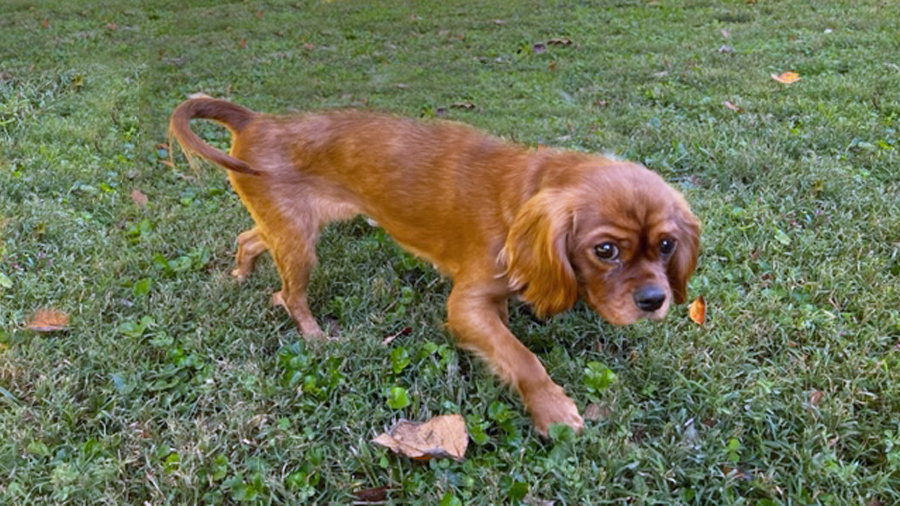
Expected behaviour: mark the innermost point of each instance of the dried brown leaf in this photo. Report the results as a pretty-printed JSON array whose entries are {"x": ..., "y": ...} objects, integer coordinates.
[
  {"x": 462, "y": 105},
  {"x": 443, "y": 436},
  {"x": 596, "y": 412},
  {"x": 405, "y": 331},
  {"x": 371, "y": 495},
  {"x": 48, "y": 320},
  {"x": 139, "y": 198},
  {"x": 733, "y": 107},
  {"x": 697, "y": 311},
  {"x": 815, "y": 397},
  {"x": 531, "y": 500},
  {"x": 562, "y": 41}
]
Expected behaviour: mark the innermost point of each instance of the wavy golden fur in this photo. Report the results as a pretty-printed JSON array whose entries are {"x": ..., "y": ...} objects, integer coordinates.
[{"x": 501, "y": 220}]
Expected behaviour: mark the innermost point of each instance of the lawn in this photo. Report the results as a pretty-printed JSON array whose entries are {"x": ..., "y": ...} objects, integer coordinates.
[{"x": 173, "y": 384}]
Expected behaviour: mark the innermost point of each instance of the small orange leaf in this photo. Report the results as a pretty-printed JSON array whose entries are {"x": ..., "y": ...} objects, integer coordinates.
[
  {"x": 443, "y": 436},
  {"x": 786, "y": 77},
  {"x": 112, "y": 27},
  {"x": 45, "y": 23},
  {"x": 259, "y": 14},
  {"x": 48, "y": 320},
  {"x": 139, "y": 198},
  {"x": 243, "y": 43},
  {"x": 697, "y": 311}
]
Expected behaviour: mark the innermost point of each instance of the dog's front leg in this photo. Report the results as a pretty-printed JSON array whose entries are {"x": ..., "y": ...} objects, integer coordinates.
[{"x": 476, "y": 316}]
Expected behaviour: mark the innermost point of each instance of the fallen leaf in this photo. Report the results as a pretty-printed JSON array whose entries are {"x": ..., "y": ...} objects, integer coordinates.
[
  {"x": 697, "y": 311},
  {"x": 664, "y": 73},
  {"x": 403, "y": 86},
  {"x": 443, "y": 436},
  {"x": 596, "y": 412},
  {"x": 371, "y": 495},
  {"x": 45, "y": 23},
  {"x": 531, "y": 500},
  {"x": 601, "y": 103},
  {"x": 462, "y": 105},
  {"x": 563, "y": 41},
  {"x": 499, "y": 22},
  {"x": 737, "y": 473},
  {"x": 405, "y": 331},
  {"x": 733, "y": 107},
  {"x": 309, "y": 46},
  {"x": 786, "y": 77},
  {"x": 259, "y": 14},
  {"x": 5, "y": 282},
  {"x": 815, "y": 397},
  {"x": 112, "y": 27},
  {"x": 48, "y": 320},
  {"x": 552, "y": 66},
  {"x": 139, "y": 198}
]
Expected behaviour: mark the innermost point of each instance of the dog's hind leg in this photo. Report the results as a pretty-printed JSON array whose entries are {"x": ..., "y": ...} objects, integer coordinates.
[
  {"x": 250, "y": 246},
  {"x": 293, "y": 248}
]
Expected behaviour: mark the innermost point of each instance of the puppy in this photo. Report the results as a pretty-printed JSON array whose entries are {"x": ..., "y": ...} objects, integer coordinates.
[{"x": 501, "y": 220}]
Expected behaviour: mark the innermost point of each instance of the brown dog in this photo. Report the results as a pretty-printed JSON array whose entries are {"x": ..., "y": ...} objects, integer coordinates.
[{"x": 499, "y": 219}]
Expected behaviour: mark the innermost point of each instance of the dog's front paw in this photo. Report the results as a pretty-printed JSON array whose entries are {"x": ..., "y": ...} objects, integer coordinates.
[
  {"x": 240, "y": 274},
  {"x": 549, "y": 405}
]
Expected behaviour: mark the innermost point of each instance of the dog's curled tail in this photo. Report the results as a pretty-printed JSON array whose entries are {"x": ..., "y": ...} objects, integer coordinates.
[{"x": 234, "y": 117}]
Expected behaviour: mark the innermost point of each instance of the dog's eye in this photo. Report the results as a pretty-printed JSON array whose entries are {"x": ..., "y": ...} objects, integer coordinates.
[
  {"x": 606, "y": 251},
  {"x": 666, "y": 247}
]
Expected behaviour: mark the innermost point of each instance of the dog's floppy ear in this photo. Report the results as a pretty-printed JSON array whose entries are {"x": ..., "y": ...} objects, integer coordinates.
[
  {"x": 536, "y": 254},
  {"x": 684, "y": 261}
]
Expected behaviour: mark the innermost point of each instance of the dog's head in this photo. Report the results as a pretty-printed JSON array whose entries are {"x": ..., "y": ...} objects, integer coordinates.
[{"x": 615, "y": 234}]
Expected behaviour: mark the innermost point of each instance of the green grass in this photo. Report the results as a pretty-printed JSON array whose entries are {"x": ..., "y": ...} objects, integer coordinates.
[{"x": 174, "y": 385}]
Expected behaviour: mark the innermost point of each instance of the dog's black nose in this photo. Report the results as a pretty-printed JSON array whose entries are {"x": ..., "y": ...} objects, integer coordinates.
[{"x": 649, "y": 298}]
